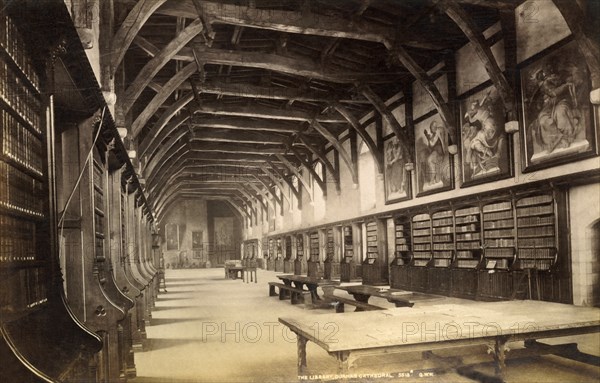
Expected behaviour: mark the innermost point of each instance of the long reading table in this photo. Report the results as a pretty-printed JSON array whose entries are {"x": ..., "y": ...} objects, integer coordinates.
[
  {"x": 299, "y": 281},
  {"x": 397, "y": 330},
  {"x": 401, "y": 298}
]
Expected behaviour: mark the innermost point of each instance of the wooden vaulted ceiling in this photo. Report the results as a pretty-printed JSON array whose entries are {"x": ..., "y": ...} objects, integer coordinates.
[{"x": 230, "y": 99}]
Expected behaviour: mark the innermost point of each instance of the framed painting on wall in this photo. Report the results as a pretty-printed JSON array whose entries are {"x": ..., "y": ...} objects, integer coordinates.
[
  {"x": 395, "y": 176},
  {"x": 485, "y": 146},
  {"x": 197, "y": 239},
  {"x": 434, "y": 170},
  {"x": 172, "y": 233},
  {"x": 557, "y": 117}
]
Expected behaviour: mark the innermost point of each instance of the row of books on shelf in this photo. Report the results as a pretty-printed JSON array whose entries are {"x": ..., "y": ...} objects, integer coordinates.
[
  {"x": 497, "y": 215},
  {"x": 498, "y": 206},
  {"x": 499, "y": 233},
  {"x": 13, "y": 44},
  {"x": 535, "y": 200},
  {"x": 17, "y": 239},
  {"x": 20, "y": 192},
  {"x": 442, "y": 222},
  {"x": 468, "y": 237},
  {"x": 443, "y": 246},
  {"x": 469, "y": 211},
  {"x": 443, "y": 230},
  {"x": 99, "y": 222},
  {"x": 537, "y": 242},
  {"x": 442, "y": 254},
  {"x": 499, "y": 224},
  {"x": 20, "y": 97},
  {"x": 466, "y": 228},
  {"x": 467, "y": 219},
  {"x": 535, "y": 221},
  {"x": 544, "y": 264},
  {"x": 421, "y": 224},
  {"x": 500, "y": 242},
  {"x": 27, "y": 290},
  {"x": 468, "y": 245},
  {"x": 98, "y": 201},
  {"x": 442, "y": 238},
  {"x": 540, "y": 253},
  {"x": 536, "y": 231},
  {"x": 535, "y": 210},
  {"x": 20, "y": 144}
]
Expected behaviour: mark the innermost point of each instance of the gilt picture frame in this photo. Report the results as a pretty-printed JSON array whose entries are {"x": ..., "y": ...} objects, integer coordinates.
[{"x": 558, "y": 121}]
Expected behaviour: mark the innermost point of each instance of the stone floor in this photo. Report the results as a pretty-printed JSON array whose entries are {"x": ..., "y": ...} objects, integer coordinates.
[{"x": 211, "y": 329}]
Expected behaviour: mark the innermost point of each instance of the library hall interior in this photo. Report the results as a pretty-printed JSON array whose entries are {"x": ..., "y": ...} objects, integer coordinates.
[{"x": 241, "y": 191}]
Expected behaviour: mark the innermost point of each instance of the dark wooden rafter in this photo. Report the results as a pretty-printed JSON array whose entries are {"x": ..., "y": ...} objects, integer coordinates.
[
  {"x": 300, "y": 176},
  {"x": 483, "y": 50},
  {"x": 226, "y": 135},
  {"x": 292, "y": 22},
  {"x": 226, "y": 147},
  {"x": 129, "y": 29},
  {"x": 276, "y": 181},
  {"x": 159, "y": 99},
  {"x": 147, "y": 73},
  {"x": 266, "y": 112},
  {"x": 297, "y": 66},
  {"x": 208, "y": 34},
  {"x": 268, "y": 189},
  {"x": 427, "y": 83},
  {"x": 152, "y": 50},
  {"x": 252, "y": 200},
  {"x": 387, "y": 115},
  {"x": 308, "y": 166},
  {"x": 588, "y": 45},
  {"x": 264, "y": 195},
  {"x": 339, "y": 148},
  {"x": 322, "y": 157},
  {"x": 375, "y": 151},
  {"x": 286, "y": 179}
]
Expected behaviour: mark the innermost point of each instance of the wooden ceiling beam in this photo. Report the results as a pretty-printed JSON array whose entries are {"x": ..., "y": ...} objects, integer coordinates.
[
  {"x": 322, "y": 157},
  {"x": 270, "y": 191},
  {"x": 340, "y": 149},
  {"x": 278, "y": 182},
  {"x": 226, "y": 135},
  {"x": 130, "y": 27},
  {"x": 308, "y": 166},
  {"x": 484, "y": 51},
  {"x": 171, "y": 86},
  {"x": 266, "y": 112},
  {"x": 152, "y": 67},
  {"x": 387, "y": 115},
  {"x": 376, "y": 152},
  {"x": 296, "y": 66},
  {"x": 427, "y": 83},
  {"x": 237, "y": 148},
  {"x": 292, "y": 168}
]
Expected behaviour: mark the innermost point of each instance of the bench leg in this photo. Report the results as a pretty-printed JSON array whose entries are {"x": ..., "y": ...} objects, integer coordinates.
[
  {"x": 500, "y": 357},
  {"x": 339, "y": 308},
  {"x": 343, "y": 358},
  {"x": 296, "y": 298},
  {"x": 301, "y": 354},
  {"x": 272, "y": 292},
  {"x": 282, "y": 294}
]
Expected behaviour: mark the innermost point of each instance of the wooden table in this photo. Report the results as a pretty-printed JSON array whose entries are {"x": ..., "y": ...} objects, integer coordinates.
[
  {"x": 299, "y": 281},
  {"x": 352, "y": 335},
  {"x": 401, "y": 298}
]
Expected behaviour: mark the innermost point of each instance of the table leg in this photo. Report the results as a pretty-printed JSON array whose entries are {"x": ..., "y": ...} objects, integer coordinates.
[
  {"x": 499, "y": 354},
  {"x": 362, "y": 298},
  {"x": 343, "y": 358},
  {"x": 301, "y": 354}
]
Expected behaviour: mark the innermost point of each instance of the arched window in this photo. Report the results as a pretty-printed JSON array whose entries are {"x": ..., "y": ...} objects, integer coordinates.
[
  {"x": 366, "y": 178},
  {"x": 318, "y": 199}
]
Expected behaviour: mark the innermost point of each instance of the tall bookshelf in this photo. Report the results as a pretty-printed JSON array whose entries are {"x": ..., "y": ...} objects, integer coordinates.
[
  {"x": 99, "y": 183},
  {"x": 421, "y": 239},
  {"x": 24, "y": 240},
  {"x": 347, "y": 265},
  {"x": 469, "y": 252},
  {"x": 468, "y": 237},
  {"x": 499, "y": 235},
  {"x": 331, "y": 268},
  {"x": 536, "y": 232},
  {"x": 399, "y": 269},
  {"x": 314, "y": 261},
  {"x": 372, "y": 245},
  {"x": 442, "y": 238}
]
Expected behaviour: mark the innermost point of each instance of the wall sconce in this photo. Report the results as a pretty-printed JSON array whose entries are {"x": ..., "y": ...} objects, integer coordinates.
[
  {"x": 453, "y": 149},
  {"x": 131, "y": 154},
  {"x": 511, "y": 127},
  {"x": 595, "y": 96},
  {"x": 409, "y": 166},
  {"x": 122, "y": 132}
]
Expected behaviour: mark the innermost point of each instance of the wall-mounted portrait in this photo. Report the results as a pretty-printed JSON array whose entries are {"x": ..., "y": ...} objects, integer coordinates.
[
  {"x": 485, "y": 150},
  {"x": 434, "y": 169},
  {"x": 197, "y": 242},
  {"x": 172, "y": 234},
  {"x": 396, "y": 177},
  {"x": 558, "y": 122}
]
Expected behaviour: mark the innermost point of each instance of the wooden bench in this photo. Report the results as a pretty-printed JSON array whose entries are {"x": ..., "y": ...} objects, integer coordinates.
[
  {"x": 340, "y": 303},
  {"x": 296, "y": 295}
]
